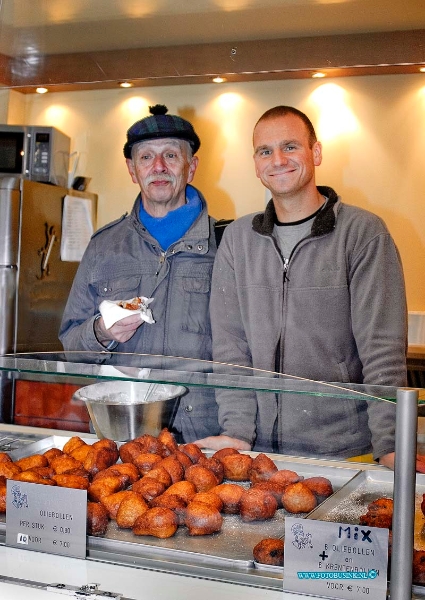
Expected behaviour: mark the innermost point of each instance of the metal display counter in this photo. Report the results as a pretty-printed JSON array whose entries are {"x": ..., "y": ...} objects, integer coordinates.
[{"x": 164, "y": 569}]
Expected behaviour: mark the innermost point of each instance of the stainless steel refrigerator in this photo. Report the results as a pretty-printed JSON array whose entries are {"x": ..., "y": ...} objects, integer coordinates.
[{"x": 34, "y": 281}]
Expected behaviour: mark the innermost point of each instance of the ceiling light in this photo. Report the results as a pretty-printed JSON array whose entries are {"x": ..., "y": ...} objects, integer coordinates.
[
  {"x": 219, "y": 79},
  {"x": 422, "y": 69},
  {"x": 41, "y": 90},
  {"x": 126, "y": 84},
  {"x": 318, "y": 75}
]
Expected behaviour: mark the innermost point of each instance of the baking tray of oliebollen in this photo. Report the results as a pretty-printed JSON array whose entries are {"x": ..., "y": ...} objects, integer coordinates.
[{"x": 233, "y": 545}]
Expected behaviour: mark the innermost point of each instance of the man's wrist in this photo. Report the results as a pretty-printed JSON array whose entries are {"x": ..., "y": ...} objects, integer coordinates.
[{"x": 101, "y": 338}]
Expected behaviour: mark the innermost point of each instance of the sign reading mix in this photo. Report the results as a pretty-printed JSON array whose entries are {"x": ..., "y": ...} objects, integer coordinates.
[{"x": 335, "y": 560}]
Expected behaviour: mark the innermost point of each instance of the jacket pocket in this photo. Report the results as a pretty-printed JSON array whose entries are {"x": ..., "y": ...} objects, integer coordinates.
[
  {"x": 119, "y": 288},
  {"x": 196, "y": 299}
]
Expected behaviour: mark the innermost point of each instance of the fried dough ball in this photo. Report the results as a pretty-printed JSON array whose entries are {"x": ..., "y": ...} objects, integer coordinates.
[
  {"x": 130, "y": 509},
  {"x": 174, "y": 468},
  {"x": 76, "y": 482},
  {"x": 64, "y": 463},
  {"x": 148, "y": 488},
  {"x": 269, "y": 551},
  {"x": 257, "y": 505},
  {"x": 73, "y": 443},
  {"x": 184, "y": 489},
  {"x": 418, "y": 571},
  {"x": 127, "y": 469},
  {"x": 145, "y": 461},
  {"x": 320, "y": 486},
  {"x": 168, "y": 439},
  {"x": 80, "y": 471},
  {"x": 105, "y": 486},
  {"x": 52, "y": 453},
  {"x": 285, "y": 476},
  {"x": 152, "y": 445},
  {"x": 4, "y": 457},
  {"x": 129, "y": 451},
  {"x": 97, "y": 519},
  {"x": 31, "y": 477},
  {"x": 103, "y": 454},
  {"x": 237, "y": 467},
  {"x": 213, "y": 465},
  {"x": 376, "y": 520},
  {"x": 3, "y": 489},
  {"x": 160, "y": 474},
  {"x": 183, "y": 459},
  {"x": 262, "y": 468},
  {"x": 220, "y": 454},
  {"x": 158, "y": 522},
  {"x": 29, "y": 462},
  {"x": 43, "y": 472},
  {"x": 80, "y": 453},
  {"x": 202, "y": 519},
  {"x": 113, "y": 501},
  {"x": 230, "y": 494},
  {"x": 381, "y": 506},
  {"x": 273, "y": 488},
  {"x": 202, "y": 478},
  {"x": 9, "y": 470},
  {"x": 174, "y": 503},
  {"x": 210, "y": 499},
  {"x": 192, "y": 451},
  {"x": 298, "y": 498}
]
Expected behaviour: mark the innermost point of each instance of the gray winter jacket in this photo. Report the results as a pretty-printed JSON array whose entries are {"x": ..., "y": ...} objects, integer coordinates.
[
  {"x": 123, "y": 261},
  {"x": 337, "y": 314}
]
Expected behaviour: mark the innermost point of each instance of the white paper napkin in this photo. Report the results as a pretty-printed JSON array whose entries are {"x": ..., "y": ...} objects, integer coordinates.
[{"x": 112, "y": 312}]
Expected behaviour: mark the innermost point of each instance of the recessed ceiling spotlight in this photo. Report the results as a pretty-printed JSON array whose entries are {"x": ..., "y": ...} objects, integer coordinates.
[
  {"x": 41, "y": 90},
  {"x": 126, "y": 84},
  {"x": 422, "y": 69},
  {"x": 219, "y": 79},
  {"x": 318, "y": 75}
]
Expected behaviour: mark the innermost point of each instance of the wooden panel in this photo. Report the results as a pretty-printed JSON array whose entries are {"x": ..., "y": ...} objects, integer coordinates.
[{"x": 40, "y": 404}]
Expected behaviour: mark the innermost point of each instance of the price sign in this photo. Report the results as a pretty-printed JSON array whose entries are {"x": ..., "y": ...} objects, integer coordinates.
[
  {"x": 335, "y": 560},
  {"x": 46, "y": 518}
]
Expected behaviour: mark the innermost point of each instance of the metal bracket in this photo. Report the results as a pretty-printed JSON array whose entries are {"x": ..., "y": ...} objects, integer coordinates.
[{"x": 87, "y": 592}]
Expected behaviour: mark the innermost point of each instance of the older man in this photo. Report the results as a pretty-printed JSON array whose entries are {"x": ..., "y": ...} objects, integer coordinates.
[
  {"x": 163, "y": 250},
  {"x": 312, "y": 288}
]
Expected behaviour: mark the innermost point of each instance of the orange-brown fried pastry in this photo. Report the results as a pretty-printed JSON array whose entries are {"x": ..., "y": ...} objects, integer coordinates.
[
  {"x": 97, "y": 519},
  {"x": 29, "y": 462},
  {"x": 76, "y": 482},
  {"x": 230, "y": 494},
  {"x": 129, "y": 451},
  {"x": 376, "y": 520},
  {"x": 4, "y": 457},
  {"x": 100, "y": 457},
  {"x": 127, "y": 469},
  {"x": 257, "y": 505},
  {"x": 151, "y": 444},
  {"x": 202, "y": 519},
  {"x": 418, "y": 571},
  {"x": 192, "y": 451},
  {"x": 184, "y": 489},
  {"x": 269, "y": 551},
  {"x": 214, "y": 465},
  {"x": 320, "y": 486},
  {"x": 110, "y": 472},
  {"x": 43, "y": 472},
  {"x": 220, "y": 454},
  {"x": 298, "y": 498},
  {"x": 80, "y": 453},
  {"x": 271, "y": 487},
  {"x": 158, "y": 522},
  {"x": 381, "y": 506},
  {"x": 105, "y": 487},
  {"x": 174, "y": 468},
  {"x": 159, "y": 474},
  {"x": 31, "y": 477},
  {"x": 183, "y": 459},
  {"x": 148, "y": 488},
  {"x": 3, "y": 489},
  {"x": 174, "y": 503},
  {"x": 202, "y": 478},
  {"x": 73, "y": 443},
  {"x": 262, "y": 468},
  {"x": 210, "y": 499},
  {"x": 64, "y": 463},
  {"x": 130, "y": 509},
  {"x": 237, "y": 467},
  {"x": 52, "y": 453},
  {"x": 113, "y": 501},
  {"x": 168, "y": 439},
  {"x": 145, "y": 461},
  {"x": 285, "y": 476},
  {"x": 9, "y": 470}
]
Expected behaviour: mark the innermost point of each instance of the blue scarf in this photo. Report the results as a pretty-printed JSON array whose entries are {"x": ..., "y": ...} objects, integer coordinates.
[{"x": 167, "y": 230}]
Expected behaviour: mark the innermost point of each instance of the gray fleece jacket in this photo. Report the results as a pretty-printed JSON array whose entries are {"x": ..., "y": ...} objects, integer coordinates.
[{"x": 336, "y": 314}]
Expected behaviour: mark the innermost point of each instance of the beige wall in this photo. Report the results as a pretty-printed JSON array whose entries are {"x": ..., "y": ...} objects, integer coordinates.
[{"x": 372, "y": 129}]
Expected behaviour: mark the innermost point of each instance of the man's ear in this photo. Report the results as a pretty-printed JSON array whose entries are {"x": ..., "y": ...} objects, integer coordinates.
[
  {"x": 317, "y": 153},
  {"x": 192, "y": 168},
  {"x": 130, "y": 167}
]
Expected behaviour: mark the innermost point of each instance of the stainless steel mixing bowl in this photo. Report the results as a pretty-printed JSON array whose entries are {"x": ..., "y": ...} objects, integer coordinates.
[{"x": 124, "y": 410}]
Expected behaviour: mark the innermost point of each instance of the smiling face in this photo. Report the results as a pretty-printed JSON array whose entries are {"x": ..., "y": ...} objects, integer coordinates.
[
  {"x": 284, "y": 157},
  {"x": 162, "y": 169}
]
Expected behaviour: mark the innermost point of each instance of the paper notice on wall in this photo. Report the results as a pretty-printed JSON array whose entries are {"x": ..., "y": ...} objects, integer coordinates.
[{"x": 77, "y": 227}]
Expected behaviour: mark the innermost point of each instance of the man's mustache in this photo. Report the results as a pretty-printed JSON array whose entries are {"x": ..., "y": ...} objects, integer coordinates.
[{"x": 159, "y": 177}]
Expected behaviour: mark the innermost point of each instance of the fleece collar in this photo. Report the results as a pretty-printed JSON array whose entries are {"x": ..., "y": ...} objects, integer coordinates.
[{"x": 324, "y": 222}]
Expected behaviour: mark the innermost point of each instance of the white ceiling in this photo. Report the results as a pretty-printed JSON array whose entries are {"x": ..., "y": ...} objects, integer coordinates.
[{"x": 34, "y": 27}]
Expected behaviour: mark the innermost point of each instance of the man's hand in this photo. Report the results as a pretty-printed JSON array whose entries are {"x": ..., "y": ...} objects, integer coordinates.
[
  {"x": 420, "y": 463},
  {"x": 218, "y": 442},
  {"x": 121, "y": 331},
  {"x": 388, "y": 461}
]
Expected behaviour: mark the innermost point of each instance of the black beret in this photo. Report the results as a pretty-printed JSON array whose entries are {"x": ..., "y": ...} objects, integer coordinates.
[{"x": 160, "y": 125}]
